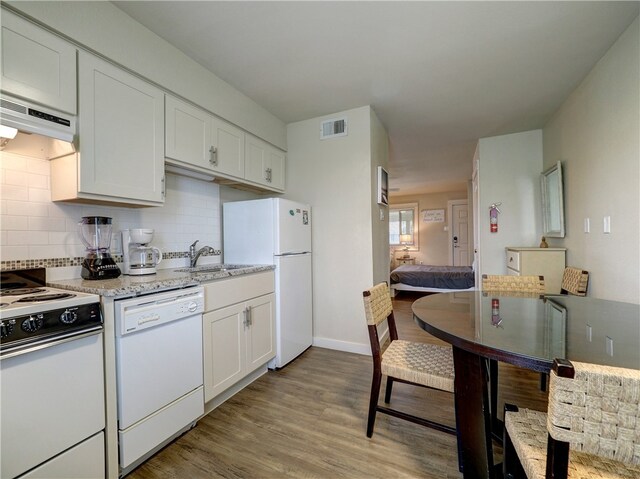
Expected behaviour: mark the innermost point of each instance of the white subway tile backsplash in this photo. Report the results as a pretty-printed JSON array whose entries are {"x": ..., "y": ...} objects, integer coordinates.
[
  {"x": 33, "y": 227},
  {"x": 13, "y": 253},
  {"x": 38, "y": 181},
  {"x": 13, "y": 162},
  {"x": 39, "y": 195},
  {"x": 13, "y": 192},
  {"x": 37, "y": 223},
  {"x": 38, "y": 166},
  {"x": 14, "y": 177},
  {"x": 14, "y": 223}
]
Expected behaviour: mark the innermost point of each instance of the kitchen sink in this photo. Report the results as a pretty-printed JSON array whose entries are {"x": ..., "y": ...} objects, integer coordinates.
[{"x": 213, "y": 268}]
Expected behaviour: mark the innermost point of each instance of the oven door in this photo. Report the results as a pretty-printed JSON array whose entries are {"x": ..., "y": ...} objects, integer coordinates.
[{"x": 52, "y": 400}]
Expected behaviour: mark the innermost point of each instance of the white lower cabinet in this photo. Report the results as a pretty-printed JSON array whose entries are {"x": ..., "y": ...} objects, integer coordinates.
[{"x": 238, "y": 338}]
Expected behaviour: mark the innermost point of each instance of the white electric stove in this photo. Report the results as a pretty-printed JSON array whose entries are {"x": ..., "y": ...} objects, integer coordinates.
[{"x": 52, "y": 395}]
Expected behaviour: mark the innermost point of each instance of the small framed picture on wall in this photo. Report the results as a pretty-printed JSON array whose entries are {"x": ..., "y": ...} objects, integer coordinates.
[{"x": 383, "y": 186}]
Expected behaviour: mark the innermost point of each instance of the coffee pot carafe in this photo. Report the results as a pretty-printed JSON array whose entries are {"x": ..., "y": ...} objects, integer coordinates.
[{"x": 139, "y": 257}]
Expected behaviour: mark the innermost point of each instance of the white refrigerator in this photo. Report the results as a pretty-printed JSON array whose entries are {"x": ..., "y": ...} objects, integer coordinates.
[{"x": 276, "y": 231}]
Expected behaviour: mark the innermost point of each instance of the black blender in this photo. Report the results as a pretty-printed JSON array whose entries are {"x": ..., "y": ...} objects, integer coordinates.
[{"x": 95, "y": 233}]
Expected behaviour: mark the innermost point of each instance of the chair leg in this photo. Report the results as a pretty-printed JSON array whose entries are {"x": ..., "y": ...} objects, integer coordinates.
[
  {"x": 387, "y": 393},
  {"x": 543, "y": 382},
  {"x": 493, "y": 384},
  {"x": 511, "y": 466},
  {"x": 373, "y": 401}
]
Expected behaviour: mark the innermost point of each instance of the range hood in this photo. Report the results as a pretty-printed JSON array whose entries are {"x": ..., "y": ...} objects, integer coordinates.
[{"x": 31, "y": 118}]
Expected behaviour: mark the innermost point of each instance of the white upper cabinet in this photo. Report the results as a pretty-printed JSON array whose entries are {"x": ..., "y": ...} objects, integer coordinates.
[
  {"x": 202, "y": 142},
  {"x": 188, "y": 133},
  {"x": 228, "y": 144},
  {"x": 121, "y": 131},
  {"x": 37, "y": 65},
  {"x": 264, "y": 163}
]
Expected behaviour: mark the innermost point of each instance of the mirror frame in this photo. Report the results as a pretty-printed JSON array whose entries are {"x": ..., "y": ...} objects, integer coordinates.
[{"x": 547, "y": 195}]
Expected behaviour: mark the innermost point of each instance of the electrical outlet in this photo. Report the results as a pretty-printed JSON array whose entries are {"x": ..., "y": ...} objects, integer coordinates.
[
  {"x": 607, "y": 224},
  {"x": 381, "y": 214}
]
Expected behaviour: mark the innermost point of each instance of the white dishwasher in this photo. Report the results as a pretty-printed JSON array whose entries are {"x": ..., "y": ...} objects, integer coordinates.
[{"x": 159, "y": 370}]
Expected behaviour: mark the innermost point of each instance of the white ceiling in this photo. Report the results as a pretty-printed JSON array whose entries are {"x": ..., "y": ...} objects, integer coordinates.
[{"x": 440, "y": 75}]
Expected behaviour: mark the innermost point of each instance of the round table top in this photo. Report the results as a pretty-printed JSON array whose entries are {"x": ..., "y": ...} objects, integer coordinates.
[{"x": 533, "y": 331}]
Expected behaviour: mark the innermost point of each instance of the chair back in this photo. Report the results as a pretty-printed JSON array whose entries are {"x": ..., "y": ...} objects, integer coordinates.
[
  {"x": 597, "y": 410},
  {"x": 513, "y": 284},
  {"x": 575, "y": 281},
  {"x": 377, "y": 304}
]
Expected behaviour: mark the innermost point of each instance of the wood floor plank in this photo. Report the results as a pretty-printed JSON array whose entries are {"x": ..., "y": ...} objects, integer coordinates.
[{"x": 308, "y": 420}]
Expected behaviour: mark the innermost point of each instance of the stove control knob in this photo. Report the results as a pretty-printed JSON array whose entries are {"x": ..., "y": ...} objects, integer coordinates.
[
  {"x": 68, "y": 317},
  {"x": 33, "y": 323},
  {"x": 6, "y": 328}
]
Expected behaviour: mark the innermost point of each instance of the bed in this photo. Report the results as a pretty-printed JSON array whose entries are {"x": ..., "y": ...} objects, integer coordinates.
[{"x": 432, "y": 279}]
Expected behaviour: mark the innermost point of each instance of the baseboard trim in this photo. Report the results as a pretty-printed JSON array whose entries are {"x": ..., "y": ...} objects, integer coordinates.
[{"x": 347, "y": 347}]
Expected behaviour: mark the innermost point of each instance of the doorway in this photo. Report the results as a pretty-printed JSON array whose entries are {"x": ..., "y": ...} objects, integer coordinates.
[{"x": 458, "y": 233}]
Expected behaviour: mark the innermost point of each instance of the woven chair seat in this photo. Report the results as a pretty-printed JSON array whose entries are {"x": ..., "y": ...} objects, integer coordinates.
[
  {"x": 426, "y": 364},
  {"x": 528, "y": 432}
]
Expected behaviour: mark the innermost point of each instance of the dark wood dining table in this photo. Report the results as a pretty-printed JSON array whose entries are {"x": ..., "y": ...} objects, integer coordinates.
[{"x": 526, "y": 331}]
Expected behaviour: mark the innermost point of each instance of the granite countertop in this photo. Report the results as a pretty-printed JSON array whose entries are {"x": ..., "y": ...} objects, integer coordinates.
[{"x": 164, "y": 279}]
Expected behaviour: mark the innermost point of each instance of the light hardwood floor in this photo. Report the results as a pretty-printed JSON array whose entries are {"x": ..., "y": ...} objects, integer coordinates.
[{"x": 308, "y": 421}]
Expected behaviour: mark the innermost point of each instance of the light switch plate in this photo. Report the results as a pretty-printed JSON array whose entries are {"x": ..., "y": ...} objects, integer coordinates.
[
  {"x": 589, "y": 333},
  {"x": 607, "y": 224},
  {"x": 609, "y": 345},
  {"x": 587, "y": 225}
]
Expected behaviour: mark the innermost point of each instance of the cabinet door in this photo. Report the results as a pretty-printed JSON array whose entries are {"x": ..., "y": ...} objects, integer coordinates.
[
  {"x": 37, "y": 65},
  {"x": 224, "y": 349},
  {"x": 121, "y": 129},
  {"x": 264, "y": 164},
  {"x": 261, "y": 334},
  {"x": 228, "y": 142},
  {"x": 187, "y": 134}
]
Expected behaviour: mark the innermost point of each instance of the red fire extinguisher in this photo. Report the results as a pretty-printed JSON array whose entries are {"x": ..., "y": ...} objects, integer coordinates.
[
  {"x": 495, "y": 312},
  {"x": 493, "y": 216}
]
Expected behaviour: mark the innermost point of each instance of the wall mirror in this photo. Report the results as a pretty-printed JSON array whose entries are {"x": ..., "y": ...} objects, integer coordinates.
[
  {"x": 552, "y": 202},
  {"x": 403, "y": 225}
]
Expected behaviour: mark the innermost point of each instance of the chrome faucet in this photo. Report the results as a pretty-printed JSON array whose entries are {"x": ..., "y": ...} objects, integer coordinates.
[{"x": 194, "y": 255}]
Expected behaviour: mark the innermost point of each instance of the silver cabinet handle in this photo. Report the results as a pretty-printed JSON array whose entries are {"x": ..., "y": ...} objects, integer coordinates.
[
  {"x": 247, "y": 317},
  {"x": 213, "y": 157},
  {"x": 163, "y": 187}
]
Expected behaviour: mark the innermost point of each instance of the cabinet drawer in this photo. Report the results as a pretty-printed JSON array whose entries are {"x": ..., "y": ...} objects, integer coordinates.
[
  {"x": 225, "y": 292},
  {"x": 513, "y": 260}
]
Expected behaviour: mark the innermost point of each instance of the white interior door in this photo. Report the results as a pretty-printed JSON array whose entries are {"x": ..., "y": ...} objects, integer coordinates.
[{"x": 460, "y": 234}]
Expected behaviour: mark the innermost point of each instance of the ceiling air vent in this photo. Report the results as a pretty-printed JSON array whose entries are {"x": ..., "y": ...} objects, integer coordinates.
[{"x": 333, "y": 128}]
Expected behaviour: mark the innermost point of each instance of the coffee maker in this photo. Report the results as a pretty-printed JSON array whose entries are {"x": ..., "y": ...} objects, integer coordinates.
[
  {"x": 95, "y": 233},
  {"x": 139, "y": 257}
]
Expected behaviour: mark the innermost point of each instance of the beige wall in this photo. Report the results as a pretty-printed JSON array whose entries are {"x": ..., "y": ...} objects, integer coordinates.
[
  {"x": 335, "y": 177},
  {"x": 379, "y": 214},
  {"x": 102, "y": 27},
  {"x": 434, "y": 240},
  {"x": 509, "y": 168},
  {"x": 595, "y": 134}
]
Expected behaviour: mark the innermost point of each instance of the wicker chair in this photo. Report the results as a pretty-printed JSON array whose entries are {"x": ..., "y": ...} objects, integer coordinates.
[
  {"x": 513, "y": 284},
  {"x": 594, "y": 411},
  {"x": 530, "y": 286},
  {"x": 575, "y": 281},
  {"x": 419, "y": 364}
]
